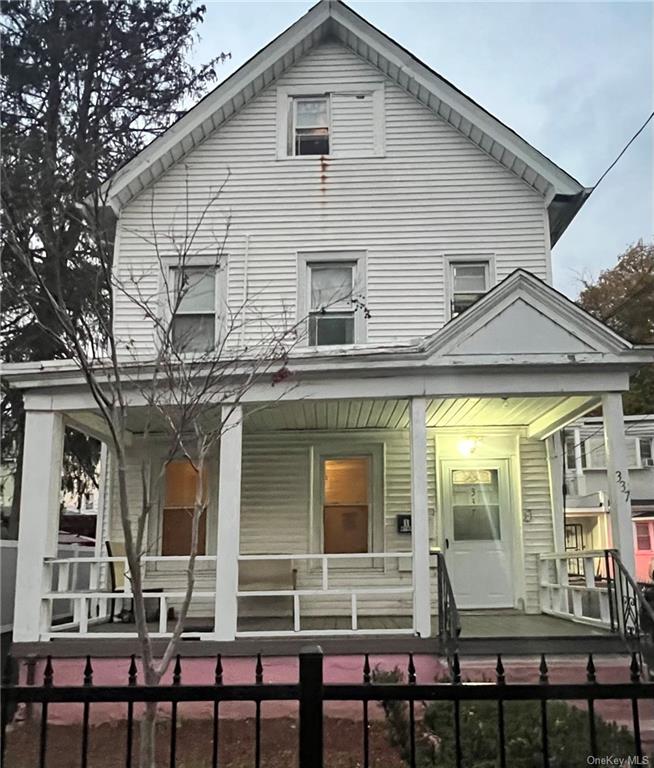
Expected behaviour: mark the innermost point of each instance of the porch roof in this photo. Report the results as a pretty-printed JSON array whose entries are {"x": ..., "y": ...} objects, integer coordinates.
[{"x": 522, "y": 323}]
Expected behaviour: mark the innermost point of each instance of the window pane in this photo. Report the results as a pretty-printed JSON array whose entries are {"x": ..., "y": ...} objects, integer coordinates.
[
  {"x": 645, "y": 448},
  {"x": 311, "y": 113},
  {"x": 181, "y": 479},
  {"x": 475, "y": 505},
  {"x": 570, "y": 453},
  {"x": 345, "y": 529},
  {"x": 314, "y": 142},
  {"x": 330, "y": 285},
  {"x": 469, "y": 278},
  {"x": 346, "y": 481},
  {"x": 642, "y": 537},
  {"x": 177, "y": 532},
  {"x": 198, "y": 286},
  {"x": 194, "y": 333},
  {"x": 331, "y": 329}
]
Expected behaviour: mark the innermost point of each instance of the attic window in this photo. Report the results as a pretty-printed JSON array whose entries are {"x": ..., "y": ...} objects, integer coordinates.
[
  {"x": 310, "y": 125},
  {"x": 469, "y": 281}
]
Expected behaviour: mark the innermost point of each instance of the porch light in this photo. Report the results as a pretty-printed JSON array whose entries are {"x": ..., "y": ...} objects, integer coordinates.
[{"x": 468, "y": 446}]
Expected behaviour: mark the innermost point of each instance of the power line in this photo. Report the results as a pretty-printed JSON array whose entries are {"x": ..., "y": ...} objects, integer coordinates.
[{"x": 626, "y": 147}]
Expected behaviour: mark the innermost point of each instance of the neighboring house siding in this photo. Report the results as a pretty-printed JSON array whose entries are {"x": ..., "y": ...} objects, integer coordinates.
[
  {"x": 433, "y": 194},
  {"x": 537, "y": 530}
]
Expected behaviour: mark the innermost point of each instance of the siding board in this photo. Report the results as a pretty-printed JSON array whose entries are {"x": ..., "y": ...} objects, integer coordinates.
[{"x": 433, "y": 192}]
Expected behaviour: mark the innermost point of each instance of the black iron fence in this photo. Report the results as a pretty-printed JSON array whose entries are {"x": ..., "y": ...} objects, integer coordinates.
[{"x": 410, "y": 701}]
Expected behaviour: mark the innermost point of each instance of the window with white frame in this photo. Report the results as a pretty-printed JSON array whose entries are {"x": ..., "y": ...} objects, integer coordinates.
[
  {"x": 469, "y": 281},
  {"x": 331, "y": 302},
  {"x": 643, "y": 537},
  {"x": 310, "y": 121},
  {"x": 194, "y": 309},
  {"x": 646, "y": 454}
]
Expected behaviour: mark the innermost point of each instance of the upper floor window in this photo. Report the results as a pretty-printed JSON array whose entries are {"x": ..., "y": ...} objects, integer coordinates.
[
  {"x": 646, "y": 456},
  {"x": 194, "y": 316},
  {"x": 331, "y": 297},
  {"x": 643, "y": 539},
  {"x": 469, "y": 281},
  {"x": 335, "y": 120},
  {"x": 310, "y": 125},
  {"x": 331, "y": 312}
]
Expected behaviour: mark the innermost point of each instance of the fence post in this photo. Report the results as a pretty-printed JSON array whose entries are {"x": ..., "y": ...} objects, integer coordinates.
[{"x": 311, "y": 746}]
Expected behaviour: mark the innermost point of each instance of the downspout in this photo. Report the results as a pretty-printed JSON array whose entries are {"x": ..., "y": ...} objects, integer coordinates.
[{"x": 246, "y": 257}]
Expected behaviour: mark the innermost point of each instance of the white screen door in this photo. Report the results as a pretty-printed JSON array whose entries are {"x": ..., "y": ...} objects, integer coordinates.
[{"x": 477, "y": 533}]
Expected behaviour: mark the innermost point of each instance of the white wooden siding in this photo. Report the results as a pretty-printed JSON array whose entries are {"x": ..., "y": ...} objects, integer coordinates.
[
  {"x": 537, "y": 530},
  {"x": 432, "y": 194},
  {"x": 277, "y": 499}
]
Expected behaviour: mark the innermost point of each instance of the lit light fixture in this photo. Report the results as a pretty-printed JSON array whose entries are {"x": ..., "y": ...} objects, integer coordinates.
[{"x": 468, "y": 446}]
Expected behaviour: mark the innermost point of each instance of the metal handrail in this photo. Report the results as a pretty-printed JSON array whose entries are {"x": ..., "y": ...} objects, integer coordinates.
[
  {"x": 630, "y": 598},
  {"x": 449, "y": 620}
]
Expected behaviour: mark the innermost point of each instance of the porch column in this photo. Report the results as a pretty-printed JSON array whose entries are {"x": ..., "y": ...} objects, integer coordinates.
[
  {"x": 555, "y": 450},
  {"x": 229, "y": 518},
  {"x": 39, "y": 518},
  {"x": 420, "y": 518},
  {"x": 618, "y": 479}
]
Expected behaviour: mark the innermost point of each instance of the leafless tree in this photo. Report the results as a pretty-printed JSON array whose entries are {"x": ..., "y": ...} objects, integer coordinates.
[{"x": 187, "y": 384}]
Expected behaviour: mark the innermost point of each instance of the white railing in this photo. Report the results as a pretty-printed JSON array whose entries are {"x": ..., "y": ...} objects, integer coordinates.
[
  {"x": 573, "y": 585},
  {"x": 327, "y": 588},
  {"x": 89, "y": 604}
]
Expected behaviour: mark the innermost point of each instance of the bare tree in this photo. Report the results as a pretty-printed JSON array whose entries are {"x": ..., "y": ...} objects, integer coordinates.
[{"x": 187, "y": 385}]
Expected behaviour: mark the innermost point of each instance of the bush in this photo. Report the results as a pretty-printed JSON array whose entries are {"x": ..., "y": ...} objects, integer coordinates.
[{"x": 568, "y": 731}]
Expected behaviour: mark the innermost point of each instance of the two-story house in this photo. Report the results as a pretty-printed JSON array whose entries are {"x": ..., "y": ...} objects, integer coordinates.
[
  {"x": 413, "y": 439},
  {"x": 587, "y": 488}
]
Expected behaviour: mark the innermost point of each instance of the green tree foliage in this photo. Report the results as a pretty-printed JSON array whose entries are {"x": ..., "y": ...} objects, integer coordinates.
[
  {"x": 623, "y": 298},
  {"x": 85, "y": 85}
]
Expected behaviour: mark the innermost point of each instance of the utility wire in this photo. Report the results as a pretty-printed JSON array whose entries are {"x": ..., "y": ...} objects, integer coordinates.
[{"x": 626, "y": 147}]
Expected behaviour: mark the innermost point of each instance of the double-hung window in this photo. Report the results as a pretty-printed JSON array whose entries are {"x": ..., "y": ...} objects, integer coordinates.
[
  {"x": 194, "y": 309},
  {"x": 469, "y": 281},
  {"x": 331, "y": 305},
  {"x": 310, "y": 133},
  {"x": 646, "y": 455}
]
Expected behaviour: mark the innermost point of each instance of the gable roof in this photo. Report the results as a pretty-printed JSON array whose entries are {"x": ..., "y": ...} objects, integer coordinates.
[{"x": 332, "y": 19}]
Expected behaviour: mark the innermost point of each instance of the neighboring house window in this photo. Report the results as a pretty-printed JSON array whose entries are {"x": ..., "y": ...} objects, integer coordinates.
[
  {"x": 346, "y": 504},
  {"x": 194, "y": 321},
  {"x": 646, "y": 458},
  {"x": 643, "y": 540},
  {"x": 570, "y": 461},
  {"x": 469, "y": 281},
  {"x": 179, "y": 503},
  {"x": 310, "y": 125},
  {"x": 331, "y": 309}
]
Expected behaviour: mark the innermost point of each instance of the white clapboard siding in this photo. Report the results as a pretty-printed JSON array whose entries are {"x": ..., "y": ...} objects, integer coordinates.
[
  {"x": 538, "y": 536},
  {"x": 352, "y": 124},
  {"x": 432, "y": 194}
]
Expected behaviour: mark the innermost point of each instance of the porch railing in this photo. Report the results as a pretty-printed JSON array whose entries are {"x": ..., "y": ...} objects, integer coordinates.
[
  {"x": 594, "y": 588},
  {"x": 449, "y": 621},
  {"x": 92, "y": 605},
  {"x": 327, "y": 588}
]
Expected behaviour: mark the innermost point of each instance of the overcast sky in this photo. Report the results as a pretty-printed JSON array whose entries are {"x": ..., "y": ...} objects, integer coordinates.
[{"x": 576, "y": 80}]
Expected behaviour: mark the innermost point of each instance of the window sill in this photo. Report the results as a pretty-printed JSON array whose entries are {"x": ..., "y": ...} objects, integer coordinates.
[{"x": 309, "y": 158}]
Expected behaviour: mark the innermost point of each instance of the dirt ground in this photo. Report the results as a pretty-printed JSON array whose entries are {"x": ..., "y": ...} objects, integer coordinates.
[{"x": 279, "y": 737}]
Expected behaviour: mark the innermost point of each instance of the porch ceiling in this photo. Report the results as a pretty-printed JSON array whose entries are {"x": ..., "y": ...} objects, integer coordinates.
[{"x": 526, "y": 412}]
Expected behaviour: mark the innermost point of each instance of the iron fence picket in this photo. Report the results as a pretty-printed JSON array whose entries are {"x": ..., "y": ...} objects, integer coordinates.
[{"x": 311, "y": 693}]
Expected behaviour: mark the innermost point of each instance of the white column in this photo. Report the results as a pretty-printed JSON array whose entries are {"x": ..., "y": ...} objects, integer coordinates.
[
  {"x": 39, "y": 519},
  {"x": 617, "y": 468},
  {"x": 420, "y": 518},
  {"x": 229, "y": 518},
  {"x": 555, "y": 450}
]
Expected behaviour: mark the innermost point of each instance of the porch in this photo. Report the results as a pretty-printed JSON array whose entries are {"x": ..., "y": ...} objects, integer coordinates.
[{"x": 270, "y": 486}]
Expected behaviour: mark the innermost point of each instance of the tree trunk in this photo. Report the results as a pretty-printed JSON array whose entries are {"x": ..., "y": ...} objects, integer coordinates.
[{"x": 148, "y": 736}]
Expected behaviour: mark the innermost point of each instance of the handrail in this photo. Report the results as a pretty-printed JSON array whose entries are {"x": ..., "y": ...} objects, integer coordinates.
[
  {"x": 631, "y": 598},
  {"x": 449, "y": 620}
]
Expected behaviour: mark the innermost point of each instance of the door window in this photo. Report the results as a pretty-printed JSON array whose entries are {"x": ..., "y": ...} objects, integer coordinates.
[
  {"x": 179, "y": 504},
  {"x": 475, "y": 505},
  {"x": 346, "y": 511}
]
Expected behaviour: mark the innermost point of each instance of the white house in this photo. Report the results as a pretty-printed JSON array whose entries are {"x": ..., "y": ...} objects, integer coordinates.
[
  {"x": 588, "y": 493},
  {"x": 426, "y": 425}
]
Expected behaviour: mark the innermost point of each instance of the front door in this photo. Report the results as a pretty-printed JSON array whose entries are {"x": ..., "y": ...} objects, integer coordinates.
[{"x": 477, "y": 532}]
